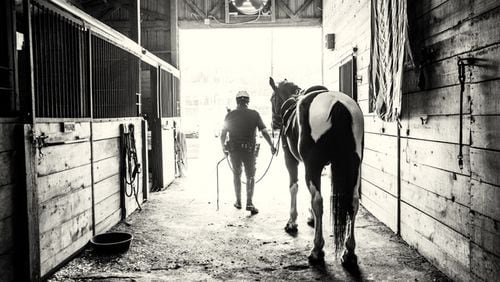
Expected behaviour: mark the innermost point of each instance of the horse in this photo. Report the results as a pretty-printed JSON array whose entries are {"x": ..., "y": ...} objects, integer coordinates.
[{"x": 321, "y": 127}]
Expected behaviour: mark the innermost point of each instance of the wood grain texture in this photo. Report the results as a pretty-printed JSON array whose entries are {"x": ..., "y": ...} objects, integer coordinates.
[
  {"x": 485, "y": 165},
  {"x": 62, "y": 183},
  {"x": 380, "y": 203},
  {"x": 484, "y": 265},
  {"x": 485, "y": 233},
  {"x": 445, "y": 248}
]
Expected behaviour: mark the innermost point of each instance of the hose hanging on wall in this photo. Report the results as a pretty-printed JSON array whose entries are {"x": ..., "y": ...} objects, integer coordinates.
[{"x": 131, "y": 165}]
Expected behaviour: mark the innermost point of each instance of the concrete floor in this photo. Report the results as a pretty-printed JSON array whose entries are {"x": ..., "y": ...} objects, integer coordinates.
[{"x": 179, "y": 235}]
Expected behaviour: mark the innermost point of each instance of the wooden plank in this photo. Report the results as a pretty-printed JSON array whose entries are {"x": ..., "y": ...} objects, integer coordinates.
[
  {"x": 435, "y": 154},
  {"x": 6, "y": 201},
  {"x": 106, "y": 148},
  {"x": 466, "y": 36},
  {"x": 381, "y": 143},
  {"x": 485, "y": 199},
  {"x": 448, "y": 250},
  {"x": 108, "y": 222},
  {"x": 55, "y": 240},
  {"x": 7, "y": 137},
  {"x": 485, "y": 165},
  {"x": 106, "y": 168},
  {"x": 450, "y": 185},
  {"x": 53, "y": 261},
  {"x": 381, "y": 161},
  {"x": 383, "y": 180},
  {"x": 445, "y": 73},
  {"x": 485, "y": 132},
  {"x": 62, "y": 183},
  {"x": 62, "y": 157},
  {"x": 106, "y": 188},
  {"x": 106, "y": 207},
  {"x": 62, "y": 209},
  {"x": 445, "y": 211},
  {"x": 484, "y": 265},
  {"x": 485, "y": 232},
  {"x": 106, "y": 129},
  {"x": 437, "y": 128},
  {"x": 441, "y": 101},
  {"x": 55, "y": 131},
  {"x": 374, "y": 124},
  {"x": 7, "y": 231},
  {"x": 379, "y": 203},
  {"x": 7, "y": 167},
  {"x": 420, "y": 8},
  {"x": 451, "y": 13},
  {"x": 484, "y": 97}
]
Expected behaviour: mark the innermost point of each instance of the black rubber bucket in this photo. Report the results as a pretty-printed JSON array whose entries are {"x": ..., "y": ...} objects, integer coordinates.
[{"x": 111, "y": 242}]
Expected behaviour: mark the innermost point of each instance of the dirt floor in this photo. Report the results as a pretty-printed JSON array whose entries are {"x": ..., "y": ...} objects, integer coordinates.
[{"x": 179, "y": 235}]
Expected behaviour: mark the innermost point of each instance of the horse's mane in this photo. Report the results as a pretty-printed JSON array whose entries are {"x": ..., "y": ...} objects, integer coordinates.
[{"x": 289, "y": 88}]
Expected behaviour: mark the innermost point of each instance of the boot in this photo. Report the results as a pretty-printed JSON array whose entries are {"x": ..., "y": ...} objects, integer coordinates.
[{"x": 250, "y": 187}]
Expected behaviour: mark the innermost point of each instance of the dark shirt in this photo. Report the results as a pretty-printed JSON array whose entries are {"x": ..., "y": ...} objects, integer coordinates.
[{"x": 241, "y": 124}]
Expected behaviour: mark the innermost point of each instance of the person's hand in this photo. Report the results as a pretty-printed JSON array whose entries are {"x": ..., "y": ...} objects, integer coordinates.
[{"x": 273, "y": 150}]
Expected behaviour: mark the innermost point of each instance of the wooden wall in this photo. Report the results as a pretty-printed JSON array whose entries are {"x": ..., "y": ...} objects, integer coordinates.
[
  {"x": 79, "y": 185},
  {"x": 450, "y": 215},
  {"x": 10, "y": 154},
  {"x": 350, "y": 22}
]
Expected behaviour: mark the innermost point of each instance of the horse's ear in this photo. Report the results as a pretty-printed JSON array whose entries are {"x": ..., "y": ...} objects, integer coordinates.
[{"x": 273, "y": 85}]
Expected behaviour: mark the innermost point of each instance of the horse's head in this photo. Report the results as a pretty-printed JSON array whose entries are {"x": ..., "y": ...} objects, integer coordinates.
[{"x": 281, "y": 92}]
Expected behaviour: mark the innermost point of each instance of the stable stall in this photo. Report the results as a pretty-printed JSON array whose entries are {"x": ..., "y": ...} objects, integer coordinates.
[{"x": 72, "y": 122}]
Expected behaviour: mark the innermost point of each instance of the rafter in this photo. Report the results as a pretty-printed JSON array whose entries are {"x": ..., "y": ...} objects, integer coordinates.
[
  {"x": 195, "y": 8},
  {"x": 303, "y": 7},
  {"x": 284, "y": 7}
]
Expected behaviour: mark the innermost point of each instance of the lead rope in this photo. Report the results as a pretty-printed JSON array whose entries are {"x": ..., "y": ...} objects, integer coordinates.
[{"x": 276, "y": 146}]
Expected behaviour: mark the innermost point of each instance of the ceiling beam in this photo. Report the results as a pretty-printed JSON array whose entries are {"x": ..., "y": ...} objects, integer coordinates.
[{"x": 145, "y": 24}]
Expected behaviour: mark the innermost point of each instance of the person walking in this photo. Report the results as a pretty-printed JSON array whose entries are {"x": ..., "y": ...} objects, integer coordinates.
[{"x": 241, "y": 124}]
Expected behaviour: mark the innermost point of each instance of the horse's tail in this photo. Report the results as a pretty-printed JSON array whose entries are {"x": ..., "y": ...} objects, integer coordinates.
[
  {"x": 340, "y": 205},
  {"x": 344, "y": 169}
]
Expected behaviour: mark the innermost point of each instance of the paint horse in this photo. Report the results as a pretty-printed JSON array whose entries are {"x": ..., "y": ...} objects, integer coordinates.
[{"x": 321, "y": 127}]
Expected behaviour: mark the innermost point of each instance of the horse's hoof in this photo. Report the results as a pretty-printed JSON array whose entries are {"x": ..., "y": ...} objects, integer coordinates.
[
  {"x": 317, "y": 258},
  {"x": 291, "y": 228},
  {"x": 310, "y": 222},
  {"x": 349, "y": 259}
]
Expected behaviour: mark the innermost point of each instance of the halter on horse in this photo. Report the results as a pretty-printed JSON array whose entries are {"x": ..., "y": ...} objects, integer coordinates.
[{"x": 321, "y": 127}]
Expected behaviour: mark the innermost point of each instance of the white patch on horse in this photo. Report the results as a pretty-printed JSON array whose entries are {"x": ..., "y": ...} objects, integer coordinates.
[{"x": 319, "y": 112}]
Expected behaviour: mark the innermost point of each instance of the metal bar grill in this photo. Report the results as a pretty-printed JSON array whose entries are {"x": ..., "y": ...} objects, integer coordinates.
[
  {"x": 115, "y": 76},
  {"x": 7, "y": 49},
  {"x": 166, "y": 94},
  {"x": 60, "y": 80}
]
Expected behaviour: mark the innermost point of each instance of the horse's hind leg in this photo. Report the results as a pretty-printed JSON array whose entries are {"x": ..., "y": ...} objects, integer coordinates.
[
  {"x": 292, "y": 167},
  {"x": 313, "y": 179}
]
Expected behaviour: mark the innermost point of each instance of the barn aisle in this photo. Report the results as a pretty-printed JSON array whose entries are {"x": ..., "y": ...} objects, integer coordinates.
[{"x": 179, "y": 235}]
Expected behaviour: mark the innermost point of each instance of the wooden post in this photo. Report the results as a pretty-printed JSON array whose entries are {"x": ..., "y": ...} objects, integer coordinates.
[
  {"x": 31, "y": 199},
  {"x": 156, "y": 137},
  {"x": 226, "y": 11},
  {"x": 174, "y": 33},
  {"x": 145, "y": 166},
  {"x": 33, "y": 235},
  {"x": 91, "y": 115},
  {"x": 135, "y": 34},
  {"x": 123, "y": 173}
]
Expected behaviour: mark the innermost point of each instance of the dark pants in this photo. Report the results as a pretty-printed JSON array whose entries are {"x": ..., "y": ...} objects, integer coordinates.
[{"x": 245, "y": 157}]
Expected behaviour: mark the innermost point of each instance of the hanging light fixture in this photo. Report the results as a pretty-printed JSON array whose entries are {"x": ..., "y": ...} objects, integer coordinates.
[{"x": 249, "y": 7}]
